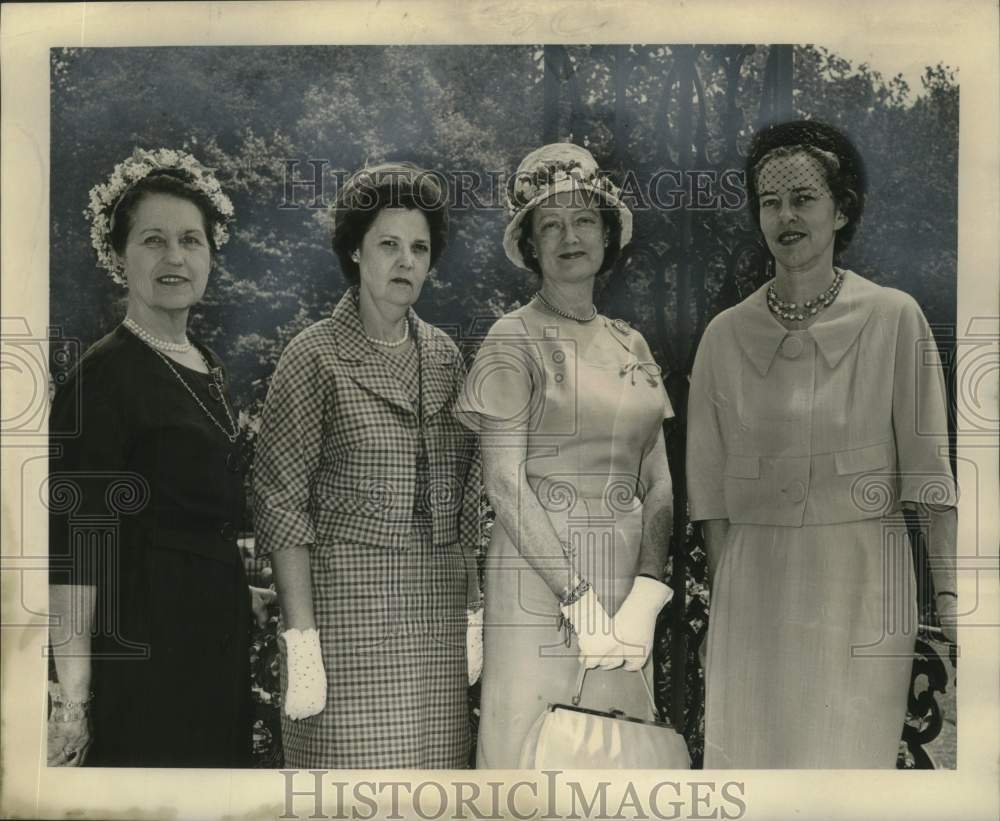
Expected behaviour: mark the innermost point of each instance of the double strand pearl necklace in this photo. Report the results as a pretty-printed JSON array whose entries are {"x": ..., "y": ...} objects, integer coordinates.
[
  {"x": 566, "y": 314},
  {"x": 155, "y": 342},
  {"x": 791, "y": 311}
]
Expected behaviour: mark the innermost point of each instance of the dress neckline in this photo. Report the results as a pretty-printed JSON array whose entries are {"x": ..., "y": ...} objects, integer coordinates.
[
  {"x": 209, "y": 359},
  {"x": 599, "y": 329}
]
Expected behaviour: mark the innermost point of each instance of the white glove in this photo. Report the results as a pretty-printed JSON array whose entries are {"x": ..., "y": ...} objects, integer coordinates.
[
  {"x": 635, "y": 621},
  {"x": 474, "y": 644},
  {"x": 594, "y": 632},
  {"x": 306, "y": 692}
]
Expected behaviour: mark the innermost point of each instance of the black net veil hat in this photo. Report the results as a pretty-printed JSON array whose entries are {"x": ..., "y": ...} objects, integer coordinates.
[{"x": 836, "y": 153}]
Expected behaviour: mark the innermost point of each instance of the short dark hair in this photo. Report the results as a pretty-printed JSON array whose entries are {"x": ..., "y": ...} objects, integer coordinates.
[
  {"x": 612, "y": 223},
  {"x": 390, "y": 185},
  {"x": 171, "y": 181},
  {"x": 842, "y": 165}
]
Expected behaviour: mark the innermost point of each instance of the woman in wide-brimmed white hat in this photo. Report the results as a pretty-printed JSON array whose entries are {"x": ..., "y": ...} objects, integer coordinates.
[{"x": 569, "y": 405}]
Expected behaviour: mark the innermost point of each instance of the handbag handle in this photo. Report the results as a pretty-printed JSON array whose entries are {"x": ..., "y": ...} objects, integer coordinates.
[{"x": 645, "y": 685}]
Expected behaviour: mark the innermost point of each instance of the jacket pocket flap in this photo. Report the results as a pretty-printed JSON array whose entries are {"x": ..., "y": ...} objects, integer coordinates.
[
  {"x": 860, "y": 460},
  {"x": 743, "y": 467}
]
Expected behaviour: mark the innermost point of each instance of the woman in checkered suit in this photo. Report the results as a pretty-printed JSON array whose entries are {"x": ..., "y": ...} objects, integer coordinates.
[
  {"x": 570, "y": 406},
  {"x": 366, "y": 497}
]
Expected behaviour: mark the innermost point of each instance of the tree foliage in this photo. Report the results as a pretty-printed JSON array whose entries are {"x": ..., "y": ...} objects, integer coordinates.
[{"x": 259, "y": 115}]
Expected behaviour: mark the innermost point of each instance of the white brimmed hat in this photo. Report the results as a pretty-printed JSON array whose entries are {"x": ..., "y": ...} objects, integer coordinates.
[{"x": 553, "y": 169}]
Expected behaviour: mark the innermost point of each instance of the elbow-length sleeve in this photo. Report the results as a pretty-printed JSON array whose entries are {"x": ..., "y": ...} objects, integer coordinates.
[
  {"x": 706, "y": 454},
  {"x": 289, "y": 451},
  {"x": 919, "y": 413}
]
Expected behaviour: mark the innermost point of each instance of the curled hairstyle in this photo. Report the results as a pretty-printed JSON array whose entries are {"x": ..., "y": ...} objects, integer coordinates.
[
  {"x": 390, "y": 185},
  {"x": 842, "y": 165},
  {"x": 173, "y": 182},
  {"x": 612, "y": 224}
]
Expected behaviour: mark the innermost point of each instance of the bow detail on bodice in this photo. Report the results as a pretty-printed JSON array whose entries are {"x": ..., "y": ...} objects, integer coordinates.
[{"x": 651, "y": 370}]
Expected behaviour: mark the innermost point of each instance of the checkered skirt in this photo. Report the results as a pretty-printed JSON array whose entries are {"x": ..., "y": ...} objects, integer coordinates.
[{"x": 392, "y": 629}]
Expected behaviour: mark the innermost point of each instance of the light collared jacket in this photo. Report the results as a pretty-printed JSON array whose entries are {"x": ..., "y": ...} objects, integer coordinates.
[
  {"x": 836, "y": 423},
  {"x": 337, "y": 451}
]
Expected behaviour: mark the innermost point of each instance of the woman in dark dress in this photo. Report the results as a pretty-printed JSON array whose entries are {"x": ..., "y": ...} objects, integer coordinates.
[{"x": 147, "y": 587}]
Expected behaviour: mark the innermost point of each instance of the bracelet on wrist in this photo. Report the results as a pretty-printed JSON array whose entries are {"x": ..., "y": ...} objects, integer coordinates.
[
  {"x": 65, "y": 710},
  {"x": 64, "y": 715},
  {"x": 569, "y": 596},
  {"x": 68, "y": 702},
  {"x": 951, "y": 593}
]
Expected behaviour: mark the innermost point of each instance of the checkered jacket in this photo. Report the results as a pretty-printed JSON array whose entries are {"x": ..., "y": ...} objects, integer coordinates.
[{"x": 336, "y": 455}]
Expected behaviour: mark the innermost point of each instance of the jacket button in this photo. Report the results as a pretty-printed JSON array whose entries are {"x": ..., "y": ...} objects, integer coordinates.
[
  {"x": 791, "y": 347},
  {"x": 795, "y": 492},
  {"x": 227, "y": 531}
]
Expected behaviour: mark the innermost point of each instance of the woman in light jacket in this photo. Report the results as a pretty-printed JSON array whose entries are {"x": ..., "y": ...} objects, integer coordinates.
[{"x": 817, "y": 407}]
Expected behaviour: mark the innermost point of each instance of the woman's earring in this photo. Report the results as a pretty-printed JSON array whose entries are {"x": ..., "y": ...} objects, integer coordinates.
[{"x": 355, "y": 257}]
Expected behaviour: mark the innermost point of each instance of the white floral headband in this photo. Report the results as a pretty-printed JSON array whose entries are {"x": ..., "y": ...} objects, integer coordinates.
[{"x": 104, "y": 198}]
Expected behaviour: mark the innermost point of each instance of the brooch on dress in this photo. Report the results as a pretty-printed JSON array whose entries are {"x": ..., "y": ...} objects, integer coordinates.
[{"x": 621, "y": 326}]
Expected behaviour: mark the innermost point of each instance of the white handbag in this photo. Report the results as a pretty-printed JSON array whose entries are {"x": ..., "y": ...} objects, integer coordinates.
[{"x": 572, "y": 737}]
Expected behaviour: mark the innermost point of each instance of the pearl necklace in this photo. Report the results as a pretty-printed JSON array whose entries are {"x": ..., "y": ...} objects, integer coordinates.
[
  {"x": 156, "y": 342},
  {"x": 395, "y": 343},
  {"x": 791, "y": 312},
  {"x": 593, "y": 310}
]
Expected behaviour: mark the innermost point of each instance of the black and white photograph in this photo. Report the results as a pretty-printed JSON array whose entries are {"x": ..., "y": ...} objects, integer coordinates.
[{"x": 445, "y": 411}]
